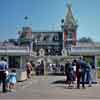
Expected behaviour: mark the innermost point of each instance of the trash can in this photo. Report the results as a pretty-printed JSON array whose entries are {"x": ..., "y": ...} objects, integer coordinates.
[{"x": 21, "y": 74}]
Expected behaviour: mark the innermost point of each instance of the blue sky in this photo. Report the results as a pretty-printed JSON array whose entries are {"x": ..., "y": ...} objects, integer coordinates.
[{"x": 47, "y": 14}]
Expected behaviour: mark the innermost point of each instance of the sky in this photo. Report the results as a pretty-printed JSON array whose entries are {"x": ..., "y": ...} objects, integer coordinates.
[{"x": 44, "y": 15}]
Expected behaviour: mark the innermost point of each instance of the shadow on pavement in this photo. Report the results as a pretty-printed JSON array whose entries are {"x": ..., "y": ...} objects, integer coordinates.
[
  {"x": 64, "y": 82},
  {"x": 59, "y": 82},
  {"x": 67, "y": 87}
]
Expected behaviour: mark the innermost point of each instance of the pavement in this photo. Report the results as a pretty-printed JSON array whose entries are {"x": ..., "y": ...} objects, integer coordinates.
[{"x": 50, "y": 87}]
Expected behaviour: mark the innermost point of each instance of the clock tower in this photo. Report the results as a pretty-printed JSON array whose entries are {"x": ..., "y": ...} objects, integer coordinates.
[{"x": 69, "y": 28}]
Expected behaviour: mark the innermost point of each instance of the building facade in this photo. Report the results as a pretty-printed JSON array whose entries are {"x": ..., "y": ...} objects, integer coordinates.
[{"x": 53, "y": 42}]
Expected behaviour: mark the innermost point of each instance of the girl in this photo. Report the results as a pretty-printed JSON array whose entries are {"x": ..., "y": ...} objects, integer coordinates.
[{"x": 12, "y": 80}]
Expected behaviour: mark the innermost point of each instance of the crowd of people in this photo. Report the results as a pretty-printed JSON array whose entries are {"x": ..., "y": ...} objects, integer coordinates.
[
  {"x": 76, "y": 71},
  {"x": 56, "y": 68},
  {"x": 80, "y": 71}
]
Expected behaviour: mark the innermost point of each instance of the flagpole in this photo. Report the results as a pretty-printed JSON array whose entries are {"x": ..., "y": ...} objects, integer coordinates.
[{"x": 25, "y": 20}]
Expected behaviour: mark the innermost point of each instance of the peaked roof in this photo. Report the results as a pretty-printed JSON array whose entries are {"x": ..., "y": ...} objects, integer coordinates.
[{"x": 69, "y": 18}]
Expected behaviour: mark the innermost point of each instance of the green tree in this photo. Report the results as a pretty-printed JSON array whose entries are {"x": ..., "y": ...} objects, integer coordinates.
[
  {"x": 13, "y": 41},
  {"x": 85, "y": 40}
]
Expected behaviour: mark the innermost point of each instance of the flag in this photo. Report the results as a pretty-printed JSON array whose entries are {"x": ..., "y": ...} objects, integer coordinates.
[{"x": 26, "y": 17}]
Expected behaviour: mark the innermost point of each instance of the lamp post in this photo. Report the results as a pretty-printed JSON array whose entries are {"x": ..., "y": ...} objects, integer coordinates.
[{"x": 62, "y": 28}]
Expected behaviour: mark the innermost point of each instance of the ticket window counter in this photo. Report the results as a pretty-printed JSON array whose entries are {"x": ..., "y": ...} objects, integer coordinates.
[{"x": 14, "y": 62}]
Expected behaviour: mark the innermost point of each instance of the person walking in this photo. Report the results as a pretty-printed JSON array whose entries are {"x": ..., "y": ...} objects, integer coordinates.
[
  {"x": 3, "y": 68},
  {"x": 28, "y": 69}
]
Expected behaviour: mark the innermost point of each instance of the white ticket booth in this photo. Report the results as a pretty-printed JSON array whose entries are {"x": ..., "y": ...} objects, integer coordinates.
[{"x": 16, "y": 57}]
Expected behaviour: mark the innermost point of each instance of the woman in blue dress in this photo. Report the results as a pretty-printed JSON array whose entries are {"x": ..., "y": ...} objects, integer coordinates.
[{"x": 12, "y": 79}]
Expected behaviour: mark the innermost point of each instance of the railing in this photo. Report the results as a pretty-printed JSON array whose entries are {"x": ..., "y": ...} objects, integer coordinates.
[
  {"x": 85, "y": 49},
  {"x": 14, "y": 49},
  {"x": 48, "y": 43}
]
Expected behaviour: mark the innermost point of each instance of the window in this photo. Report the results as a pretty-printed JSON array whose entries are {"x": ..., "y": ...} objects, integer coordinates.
[
  {"x": 46, "y": 38},
  {"x": 14, "y": 61},
  {"x": 38, "y": 37},
  {"x": 70, "y": 35},
  {"x": 56, "y": 37}
]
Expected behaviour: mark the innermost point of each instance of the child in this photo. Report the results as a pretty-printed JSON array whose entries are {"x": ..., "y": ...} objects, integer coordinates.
[{"x": 12, "y": 80}]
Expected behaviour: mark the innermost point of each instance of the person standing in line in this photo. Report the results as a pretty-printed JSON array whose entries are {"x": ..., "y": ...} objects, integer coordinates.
[
  {"x": 37, "y": 68},
  {"x": 69, "y": 73},
  {"x": 89, "y": 78},
  {"x": 93, "y": 71},
  {"x": 78, "y": 74},
  {"x": 3, "y": 68},
  {"x": 66, "y": 71},
  {"x": 74, "y": 68},
  {"x": 83, "y": 66},
  {"x": 42, "y": 68}
]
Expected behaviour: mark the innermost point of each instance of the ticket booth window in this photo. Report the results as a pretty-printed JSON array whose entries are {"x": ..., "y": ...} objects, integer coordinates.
[{"x": 14, "y": 62}]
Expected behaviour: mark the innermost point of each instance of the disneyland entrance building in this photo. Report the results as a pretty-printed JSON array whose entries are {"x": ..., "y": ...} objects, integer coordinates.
[
  {"x": 53, "y": 42},
  {"x": 51, "y": 45}
]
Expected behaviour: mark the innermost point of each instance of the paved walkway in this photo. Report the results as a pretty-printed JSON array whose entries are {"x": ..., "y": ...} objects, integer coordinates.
[{"x": 52, "y": 87}]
